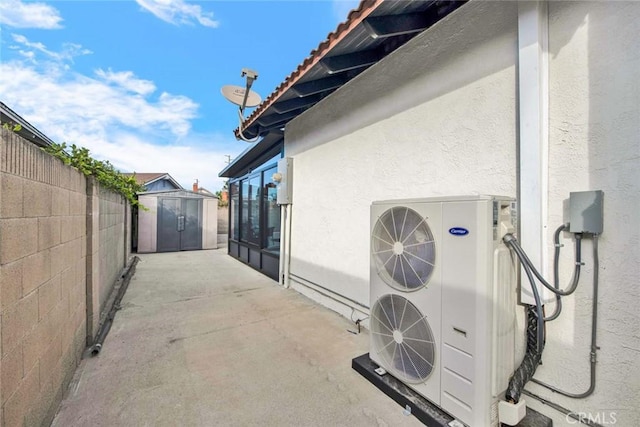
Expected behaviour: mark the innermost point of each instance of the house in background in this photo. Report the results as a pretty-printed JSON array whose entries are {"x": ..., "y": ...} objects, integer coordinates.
[
  {"x": 156, "y": 181},
  {"x": 529, "y": 100}
]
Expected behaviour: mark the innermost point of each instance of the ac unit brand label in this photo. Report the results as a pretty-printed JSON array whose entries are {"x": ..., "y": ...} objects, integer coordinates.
[{"x": 458, "y": 231}]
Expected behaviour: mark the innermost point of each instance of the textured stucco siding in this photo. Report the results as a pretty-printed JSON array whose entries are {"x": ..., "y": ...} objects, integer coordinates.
[
  {"x": 404, "y": 133},
  {"x": 594, "y": 126},
  {"x": 439, "y": 117}
]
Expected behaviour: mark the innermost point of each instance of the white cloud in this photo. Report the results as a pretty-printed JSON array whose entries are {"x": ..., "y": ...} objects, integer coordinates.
[
  {"x": 118, "y": 118},
  {"x": 178, "y": 12},
  {"x": 127, "y": 80},
  {"x": 132, "y": 153},
  {"x": 58, "y": 93},
  {"x": 15, "y": 13},
  {"x": 29, "y": 49}
]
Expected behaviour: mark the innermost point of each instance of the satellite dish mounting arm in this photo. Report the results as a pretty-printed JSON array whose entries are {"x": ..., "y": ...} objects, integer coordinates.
[
  {"x": 251, "y": 77},
  {"x": 243, "y": 98}
]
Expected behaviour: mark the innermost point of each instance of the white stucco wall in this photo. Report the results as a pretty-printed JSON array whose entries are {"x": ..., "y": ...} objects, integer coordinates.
[
  {"x": 438, "y": 117},
  {"x": 148, "y": 224},
  {"x": 595, "y": 145},
  {"x": 403, "y": 133}
]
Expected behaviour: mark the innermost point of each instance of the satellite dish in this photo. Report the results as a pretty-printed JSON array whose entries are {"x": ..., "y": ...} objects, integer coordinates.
[{"x": 236, "y": 94}]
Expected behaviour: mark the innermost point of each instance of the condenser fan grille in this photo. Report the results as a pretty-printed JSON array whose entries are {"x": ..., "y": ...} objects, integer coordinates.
[
  {"x": 403, "y": 249},
  {"x": 402, "y": 338}
]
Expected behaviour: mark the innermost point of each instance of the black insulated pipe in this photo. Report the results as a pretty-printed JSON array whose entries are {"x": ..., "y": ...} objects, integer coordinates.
[
  {"x": 531, "y": 360},
  {"x": 535, "y": 320}
]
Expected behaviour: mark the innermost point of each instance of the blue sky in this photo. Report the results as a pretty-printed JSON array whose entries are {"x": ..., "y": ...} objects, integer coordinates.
[{"x": 138, "y": 82}]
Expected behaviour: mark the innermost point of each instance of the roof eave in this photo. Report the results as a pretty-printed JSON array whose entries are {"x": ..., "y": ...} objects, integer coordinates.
[
  {"x": 356, "y": 16},
  {"x": 251, "y": 154}
]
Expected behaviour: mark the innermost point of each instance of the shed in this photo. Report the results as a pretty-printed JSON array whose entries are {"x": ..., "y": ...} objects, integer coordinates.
[{"x": 177, "y": 220}]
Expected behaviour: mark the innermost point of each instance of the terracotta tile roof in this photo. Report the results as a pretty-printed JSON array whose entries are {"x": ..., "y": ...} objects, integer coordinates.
[
  {"x": 355, "y": 17},
  {"x": 370, "y": 33}
]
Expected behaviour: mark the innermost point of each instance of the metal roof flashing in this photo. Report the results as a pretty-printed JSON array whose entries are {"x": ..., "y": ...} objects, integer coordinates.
[{"x": 255, "y": 154}]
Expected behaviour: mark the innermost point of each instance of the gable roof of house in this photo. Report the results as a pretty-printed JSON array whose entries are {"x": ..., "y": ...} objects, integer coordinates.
[
  {"x": 150, "y": 178},
  {"x": 371, "y": 32}
]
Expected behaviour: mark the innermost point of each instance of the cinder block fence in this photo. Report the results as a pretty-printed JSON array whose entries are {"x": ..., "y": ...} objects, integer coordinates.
[{"x": 64, "y": 242}]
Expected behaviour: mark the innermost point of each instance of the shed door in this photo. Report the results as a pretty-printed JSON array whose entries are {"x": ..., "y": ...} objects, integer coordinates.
[
  {"x": 179, "y": 224},
  {"x": 191, "y": 235}
]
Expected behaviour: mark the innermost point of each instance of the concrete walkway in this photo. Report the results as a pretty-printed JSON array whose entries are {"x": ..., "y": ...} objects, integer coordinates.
[{"x": 203, "y": 340}]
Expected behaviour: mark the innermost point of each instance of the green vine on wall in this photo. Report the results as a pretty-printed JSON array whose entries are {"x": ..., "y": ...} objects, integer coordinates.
[
  {"x": 103, "y": 171},
  {"x": 12, "y": 127}
]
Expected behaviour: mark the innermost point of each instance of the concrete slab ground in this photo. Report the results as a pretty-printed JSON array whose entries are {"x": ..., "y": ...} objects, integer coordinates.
[{"x": 203, "y": 340}]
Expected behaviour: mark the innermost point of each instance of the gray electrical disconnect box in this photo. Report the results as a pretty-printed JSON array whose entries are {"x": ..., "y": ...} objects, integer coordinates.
[
  {"x": 284, "y": 188},
  {"x": 586, "y": 211}
]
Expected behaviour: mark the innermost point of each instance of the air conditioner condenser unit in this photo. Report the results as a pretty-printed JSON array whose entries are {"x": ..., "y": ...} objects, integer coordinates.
[{"x": 443, "y": 298}]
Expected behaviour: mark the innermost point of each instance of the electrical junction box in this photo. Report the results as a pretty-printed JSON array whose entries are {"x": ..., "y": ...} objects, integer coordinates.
[
  {"x": 586, "y": 211},
  {"x": 285, "y": 189}
]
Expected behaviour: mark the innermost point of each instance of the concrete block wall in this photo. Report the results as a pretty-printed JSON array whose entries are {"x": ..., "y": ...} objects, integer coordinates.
[
  {"x": 42, "y": 280},
  {"x": 108, "y": 249},
  {"x": 45, "y": 274}
]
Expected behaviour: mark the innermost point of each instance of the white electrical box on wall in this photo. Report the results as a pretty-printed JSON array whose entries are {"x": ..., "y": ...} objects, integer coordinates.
[{"x": 285, "y": 189}]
